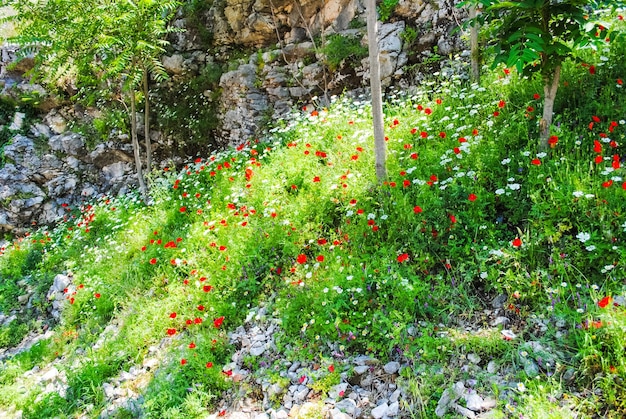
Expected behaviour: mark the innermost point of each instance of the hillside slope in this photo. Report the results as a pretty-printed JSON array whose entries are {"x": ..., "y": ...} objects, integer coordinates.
[{"x": 279, "y": 274}]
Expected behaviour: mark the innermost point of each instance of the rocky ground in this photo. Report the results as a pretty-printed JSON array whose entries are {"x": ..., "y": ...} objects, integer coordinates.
[{"x": 270, "y": 386}]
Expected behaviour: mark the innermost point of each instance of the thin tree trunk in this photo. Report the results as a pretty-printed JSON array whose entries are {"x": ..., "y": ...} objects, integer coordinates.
[
  {"x": 380, "y": 148},
  {"x": 550, "y": 86},
  {"x": 147, "y": 121},
  {"x": 133, "y": 136},
  {"x": 474, "y": 48}
]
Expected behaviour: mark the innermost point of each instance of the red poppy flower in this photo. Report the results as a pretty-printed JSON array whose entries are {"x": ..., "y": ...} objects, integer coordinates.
[
  {"x": 171, "y": 332},
  {"x": 183, "y": 209},
  {"x": 536, "y": 162},
  {"x": 413, "y": 131},
  {"x": 301, "y": 259},
  {"x": 620, "y": 82},
  {"x": 316, "y": 179},
  {"x": 192, "y": 345},
  {"x": 218, "y": 322},
  {"x": 200, "y": 307},
  {"x": 452, "y": 219},
  {"x": 403, "y": 257},
  {"x": 97, "y": 295},
  {"x": 320, "y": 258},
  {"x": 428, "y": 111},
  {"x": 472, "y": 197},
  {"x": 406, "y": 183},
  {"x": 456, "y": 150},
  {"x": 501, "y": 104},
  {"x": 331, "y": 368},
  {"x": 442, "y": 134},
  {"x": 598, "y": 159},
  {"x": 414, "y": 156},
  {"x": 209, "y": 364},
  {"x": 417, "y": 209},
  {"x": 553, "y": 140},
  {"x": 597, "y": 146},
  {"x": 153, "y": 261},
  {"x": 536, "y": 96},
  {"x": 322, "y": 242},
  {"x": 592, "y": 69},
  {"x": 423, "y": 134},
  {"x": 462, "y": 140},
  {"x": 183, "y": 361},
  {"x": 605, "y": 301},
  {"x": 173, "y": 315},
  {"x": 517, "y": 242},
  {"x": 207, "y": 288},
  {"x": 607, "y": 184},
  {"x": 496, "y": 113}
]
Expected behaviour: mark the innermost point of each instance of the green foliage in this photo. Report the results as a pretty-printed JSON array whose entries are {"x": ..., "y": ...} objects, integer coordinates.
[
  {"x": 408, "y": 35},
  {"x": 12, "y": 334},
  {"x": 342, "y": 50},
  {"x": 537, "y": 36},
  {"x": 386, "y": 8}
]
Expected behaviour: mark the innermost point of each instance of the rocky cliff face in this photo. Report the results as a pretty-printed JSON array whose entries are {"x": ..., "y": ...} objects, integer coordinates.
[
  {"x": 274, "y": 55},
  {"x": 289, "y": 60}
]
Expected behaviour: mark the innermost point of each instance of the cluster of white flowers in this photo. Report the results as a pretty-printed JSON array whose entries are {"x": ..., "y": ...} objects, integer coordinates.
[{"x": 583, "y": 237}]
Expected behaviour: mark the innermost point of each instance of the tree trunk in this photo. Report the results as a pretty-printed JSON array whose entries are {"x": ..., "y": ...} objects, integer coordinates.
[
  {"x": 550, "y": 86},
  {"x": 133, "y": 136},
  {"x": 380, "y": 148},
  {"x": 475, "y": 51},
  {"x": 147, "y": 121}
]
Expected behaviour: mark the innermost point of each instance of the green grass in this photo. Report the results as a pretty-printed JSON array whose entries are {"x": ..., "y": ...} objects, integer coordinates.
[{"x": 471, "y": 210}]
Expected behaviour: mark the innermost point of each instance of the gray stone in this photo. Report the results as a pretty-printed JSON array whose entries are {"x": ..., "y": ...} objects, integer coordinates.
[
  {"x": 474, "y": 402},
  {"x": 18, "y": 121},
  {"x": 347, "y": 405},
  {"x": 56, "y": 121},
  {"x": 173, "y": 63},
  {"x": 394, "y": 409},
  {"x": 464, "y": 411},
  {"x": 492, "y": 367},
  {"x": 498, "y": 302},
  {"x": 361, "y": 369},
  {"x": 391, "y": 367},
  {"x": 338, "y": 414},
  {"x": 257, "y": 350},
  {"x": 51, "y": 375},
  {"x": 281, "y": 414},
  {"x": 473, "y": 358},
  {"x": 380, "y": 411},
  {"x": 301, "y": 394}
]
